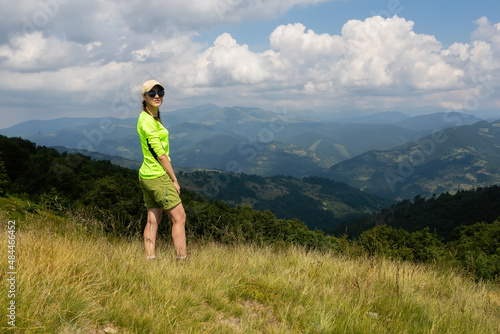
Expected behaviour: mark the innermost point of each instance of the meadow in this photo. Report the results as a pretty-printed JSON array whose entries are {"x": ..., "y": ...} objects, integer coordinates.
[{"x": 72, "y": 277}]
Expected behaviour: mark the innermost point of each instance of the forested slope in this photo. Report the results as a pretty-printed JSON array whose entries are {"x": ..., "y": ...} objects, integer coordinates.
[{"x": 442, "y": 213}]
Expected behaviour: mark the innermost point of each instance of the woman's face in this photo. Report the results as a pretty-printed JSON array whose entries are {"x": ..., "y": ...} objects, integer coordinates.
[{"x": 156, "y": 100}]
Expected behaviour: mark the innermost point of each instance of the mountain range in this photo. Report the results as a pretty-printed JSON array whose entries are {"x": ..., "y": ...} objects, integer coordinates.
[
  {"x": 389, "y": 154},
  {"x": 448, "y": 160}
]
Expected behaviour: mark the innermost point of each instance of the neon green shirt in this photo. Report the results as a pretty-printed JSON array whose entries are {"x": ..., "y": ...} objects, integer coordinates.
[{"x": 154, "y": 142}]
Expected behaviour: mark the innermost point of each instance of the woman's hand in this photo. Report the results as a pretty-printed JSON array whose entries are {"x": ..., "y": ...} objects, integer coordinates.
[
  {"x": 177, "y": 187},
  {"x": 165, "y": 162}
]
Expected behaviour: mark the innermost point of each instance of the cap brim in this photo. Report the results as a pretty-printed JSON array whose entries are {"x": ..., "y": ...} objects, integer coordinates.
[{"x": 148, "y": 85}]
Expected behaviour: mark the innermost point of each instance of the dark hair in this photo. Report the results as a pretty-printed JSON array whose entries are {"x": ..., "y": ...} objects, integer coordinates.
[{"x": 144, "y": 105}]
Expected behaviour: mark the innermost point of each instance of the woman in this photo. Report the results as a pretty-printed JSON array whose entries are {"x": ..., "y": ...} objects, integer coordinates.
[{"x": 156, "y": 175}]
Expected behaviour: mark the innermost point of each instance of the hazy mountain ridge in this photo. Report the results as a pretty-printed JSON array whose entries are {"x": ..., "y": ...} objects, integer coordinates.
[
  {"x": 456, "y": 158},
  {"x": 376, "y": 157},
  {"x": 387, "y": 117},
  {"x": 439, "y": 120},
  {"x": 204, "y": 135}
]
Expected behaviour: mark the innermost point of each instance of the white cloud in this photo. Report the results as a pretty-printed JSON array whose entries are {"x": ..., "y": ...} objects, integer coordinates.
[
  {"x": 480, "y": 60},
  {"x": 227, "y": 63},
  {"x": 175, "y": 48},
  {"x": 388, "y": 53},
  {"x": 487, "y": 32},
  {"x": 298, "y": 47},
  {"x": 35, "y": 52}
]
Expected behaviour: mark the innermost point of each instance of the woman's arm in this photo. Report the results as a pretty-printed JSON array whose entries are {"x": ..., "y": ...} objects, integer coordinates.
[{"x": 165, "y": 162}]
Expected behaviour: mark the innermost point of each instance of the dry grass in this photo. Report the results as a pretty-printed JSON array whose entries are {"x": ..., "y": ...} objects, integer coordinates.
[{"x": 71, "y": 280}]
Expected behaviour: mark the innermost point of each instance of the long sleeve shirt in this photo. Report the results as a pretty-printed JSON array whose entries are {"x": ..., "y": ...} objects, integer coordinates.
[{"x": 154, "y": 143}]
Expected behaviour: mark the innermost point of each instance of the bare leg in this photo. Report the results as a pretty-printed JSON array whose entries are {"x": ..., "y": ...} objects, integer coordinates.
[
  {"x": 154, "y": 218},
  {"x": 178, "y": 217}
]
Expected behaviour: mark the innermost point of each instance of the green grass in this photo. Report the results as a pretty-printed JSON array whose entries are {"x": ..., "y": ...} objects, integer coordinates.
[{"x": 74, "y": 279}]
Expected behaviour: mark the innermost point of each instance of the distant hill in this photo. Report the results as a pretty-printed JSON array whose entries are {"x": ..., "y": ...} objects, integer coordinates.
[
  {"x": 387, "y": 117},
  {"x": 345, "y": 141},
  {"x": 436, "y": 121},
  {"x": 449, "y": 160},
  {"x": 96, "y": 156},
  {"x": 34, "y": 128}
]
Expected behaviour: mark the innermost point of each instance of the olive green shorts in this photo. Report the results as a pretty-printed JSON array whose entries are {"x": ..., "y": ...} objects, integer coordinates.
[{"x": 159, "y": 192}]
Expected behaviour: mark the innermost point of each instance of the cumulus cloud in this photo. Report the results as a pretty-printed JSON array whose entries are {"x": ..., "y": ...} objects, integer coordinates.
[
  {"x": 487, "y": 32},
  {"x": 386, "y": 52},
  {"x": 480, "y": 59},
  {"x": 228, "y": 63},
  {"x": 301, "y": 46}
]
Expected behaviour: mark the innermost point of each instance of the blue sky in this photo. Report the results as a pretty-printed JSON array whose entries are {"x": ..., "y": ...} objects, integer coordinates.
[{"x": 76, "y": 59}]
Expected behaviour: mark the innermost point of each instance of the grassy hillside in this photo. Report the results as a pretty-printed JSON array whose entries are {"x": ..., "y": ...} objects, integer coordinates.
[{"x": 72, "y": 278}]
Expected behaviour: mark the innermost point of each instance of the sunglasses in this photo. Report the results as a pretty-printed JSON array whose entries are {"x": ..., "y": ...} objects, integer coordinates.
[{"x": 152, "y": 93}]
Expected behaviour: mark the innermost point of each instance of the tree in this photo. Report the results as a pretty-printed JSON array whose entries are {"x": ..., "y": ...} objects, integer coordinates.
[
  {"x": 4, "y": 179},
  {"x": 478, "y": 249}
]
